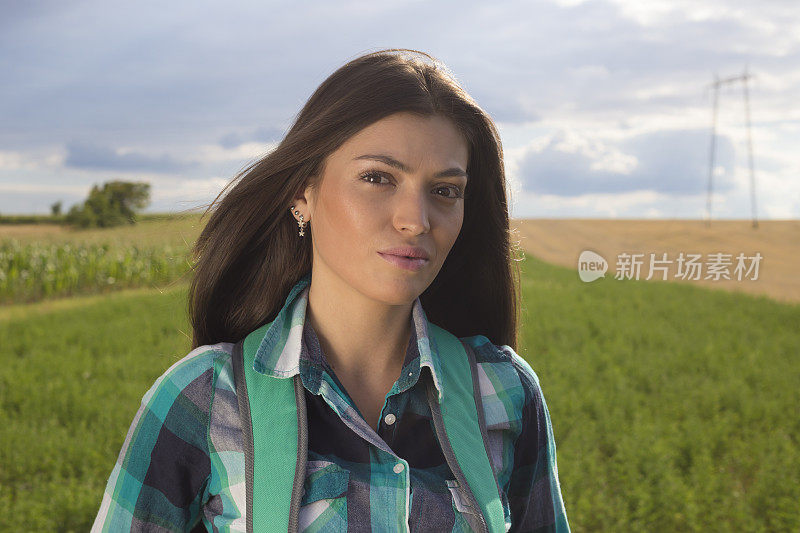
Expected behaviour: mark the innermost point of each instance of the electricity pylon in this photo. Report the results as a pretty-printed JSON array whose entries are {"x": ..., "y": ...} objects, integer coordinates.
[{"x": 716, "y": 85}]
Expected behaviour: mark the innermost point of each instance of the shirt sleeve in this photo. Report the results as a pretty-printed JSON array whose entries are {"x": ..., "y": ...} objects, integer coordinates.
[
  {"x": 161, "y": 474},
  {"x": 534, "y": 490}
]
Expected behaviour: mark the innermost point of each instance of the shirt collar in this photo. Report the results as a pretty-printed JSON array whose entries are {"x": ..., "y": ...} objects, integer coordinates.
[{"x": 282, "y": 351}]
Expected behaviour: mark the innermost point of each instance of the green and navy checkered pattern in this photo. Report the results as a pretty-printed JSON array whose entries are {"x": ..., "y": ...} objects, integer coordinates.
[{"x": 181, "y": 466}]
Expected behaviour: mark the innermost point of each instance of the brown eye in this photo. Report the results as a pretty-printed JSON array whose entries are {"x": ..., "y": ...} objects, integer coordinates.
[
  {"x": 366, "y": 176},
  {"x": 457, "y": 192},
  {"x": 370, "y": 176}
]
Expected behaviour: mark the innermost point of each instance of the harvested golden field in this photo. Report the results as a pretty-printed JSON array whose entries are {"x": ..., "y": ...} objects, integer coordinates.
[
  {"x": 557, "y": 241},
  {"x": 171, "y": 229},
  {"x": 561, "y": 241}
]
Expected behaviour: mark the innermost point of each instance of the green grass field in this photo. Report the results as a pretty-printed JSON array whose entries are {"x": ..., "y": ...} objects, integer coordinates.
[{"x": 674, "y": 408}]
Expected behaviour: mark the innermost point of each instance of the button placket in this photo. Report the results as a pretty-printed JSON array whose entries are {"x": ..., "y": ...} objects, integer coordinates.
[{"x": 401, "y": 468}]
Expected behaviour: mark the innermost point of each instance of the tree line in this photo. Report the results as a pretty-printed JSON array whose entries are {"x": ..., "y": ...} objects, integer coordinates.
[{"x": 114, "y": 203}]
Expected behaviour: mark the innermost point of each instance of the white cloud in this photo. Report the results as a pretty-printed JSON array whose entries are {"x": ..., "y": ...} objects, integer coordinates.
[
  {"x": 585, "y": 205},
  {"x": 42, "y": 158},
  {"x": 158, "y": 86},
  {"x": 613, "y": 160},
  {"x": 42, "y": 188},
  {"x": 214, "y": 153},
  {"x": 190, "y": 190}
]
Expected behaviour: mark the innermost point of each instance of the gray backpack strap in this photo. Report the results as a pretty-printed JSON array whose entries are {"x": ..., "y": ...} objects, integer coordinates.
[
  {"x": 473, "y": 365},
  {"x": 247, "y": 428}
]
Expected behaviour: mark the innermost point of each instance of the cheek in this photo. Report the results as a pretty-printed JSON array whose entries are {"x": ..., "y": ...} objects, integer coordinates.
[
  {"x": 454, "y": 224},
  {"x": 347, "y": 220},
  {"x": 450, "y": 223}
]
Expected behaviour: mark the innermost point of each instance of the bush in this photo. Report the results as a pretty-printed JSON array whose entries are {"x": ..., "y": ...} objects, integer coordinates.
[{"x": 113, "y": 205}]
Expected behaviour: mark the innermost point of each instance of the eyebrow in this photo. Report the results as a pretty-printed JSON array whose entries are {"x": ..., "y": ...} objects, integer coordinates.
[{"x": 453, "y": 172}]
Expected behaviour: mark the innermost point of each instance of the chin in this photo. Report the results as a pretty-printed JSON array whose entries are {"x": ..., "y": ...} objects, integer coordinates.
[{"x": 400, "y": 290}]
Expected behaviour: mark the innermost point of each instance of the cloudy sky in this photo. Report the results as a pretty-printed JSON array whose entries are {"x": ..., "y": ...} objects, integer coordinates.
[{"x": 604, "y": 107}]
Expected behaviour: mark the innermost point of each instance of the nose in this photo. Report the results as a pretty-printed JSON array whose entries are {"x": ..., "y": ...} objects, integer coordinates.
[{"x": 411, "y": 212}]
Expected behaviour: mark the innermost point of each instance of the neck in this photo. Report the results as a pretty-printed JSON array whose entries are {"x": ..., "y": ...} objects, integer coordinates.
[{"x": 359, "y": 336}]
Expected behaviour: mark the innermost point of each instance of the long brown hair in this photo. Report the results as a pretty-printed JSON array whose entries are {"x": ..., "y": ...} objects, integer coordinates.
[{"x": 249, "y": 255}]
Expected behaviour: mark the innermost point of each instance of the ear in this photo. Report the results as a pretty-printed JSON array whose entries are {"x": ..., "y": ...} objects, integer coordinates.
[{"x": 303, "y": 203}]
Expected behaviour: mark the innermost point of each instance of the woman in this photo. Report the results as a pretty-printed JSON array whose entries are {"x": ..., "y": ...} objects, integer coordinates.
[{"x": 372, "y": 243}]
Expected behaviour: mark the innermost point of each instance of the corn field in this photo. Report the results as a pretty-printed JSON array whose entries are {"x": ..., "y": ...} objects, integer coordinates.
[{"x": 35, "y": 270}]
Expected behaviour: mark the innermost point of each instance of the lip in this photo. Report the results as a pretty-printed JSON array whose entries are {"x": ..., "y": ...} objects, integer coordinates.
[
  {"x": 405, "y": 263},
  {"x": 409, "y": 251}
]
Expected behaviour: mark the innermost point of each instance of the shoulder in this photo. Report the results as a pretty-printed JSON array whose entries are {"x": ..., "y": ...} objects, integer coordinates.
[
  {"x": 165, "y": 461},
  {"x": 508, "y": 379},
  {"x": 513, "y": 371},
  {"x": 192, "y": 376}
]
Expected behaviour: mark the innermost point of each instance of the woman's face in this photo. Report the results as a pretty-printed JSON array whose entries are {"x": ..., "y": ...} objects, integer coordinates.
[{"x": 365, "y": 204}]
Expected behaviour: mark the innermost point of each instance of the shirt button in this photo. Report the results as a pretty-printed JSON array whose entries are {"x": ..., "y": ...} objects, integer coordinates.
[
  {"x": 389, "y": 419},
  {"x": 398, "y": 468}
]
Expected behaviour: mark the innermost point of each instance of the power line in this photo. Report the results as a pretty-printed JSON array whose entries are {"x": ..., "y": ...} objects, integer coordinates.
[{"x": 744, "y": 78}]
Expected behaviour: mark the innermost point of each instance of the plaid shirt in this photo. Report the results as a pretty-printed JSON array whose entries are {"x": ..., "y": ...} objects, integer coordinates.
[{"x": 181, "y": 466}]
